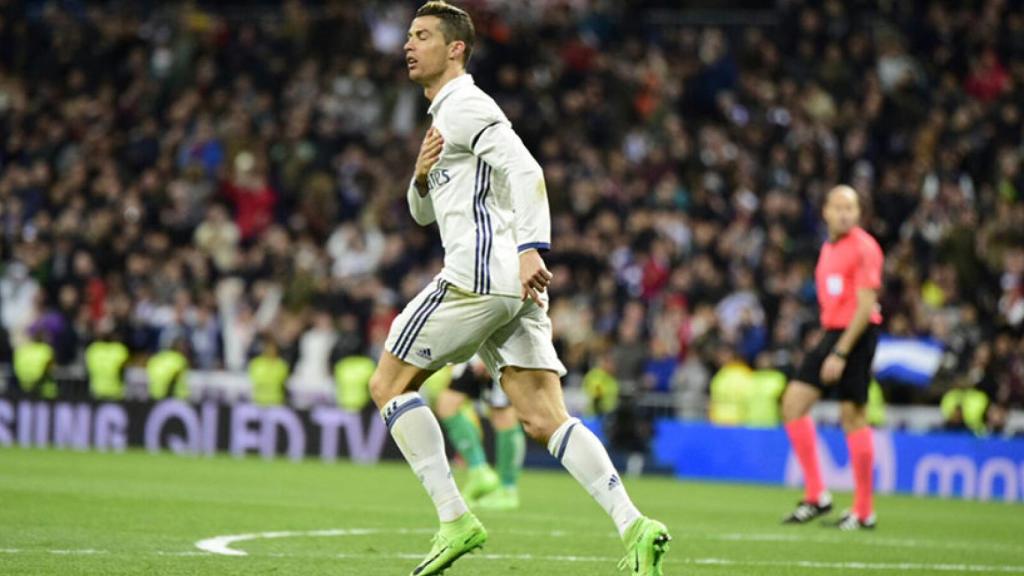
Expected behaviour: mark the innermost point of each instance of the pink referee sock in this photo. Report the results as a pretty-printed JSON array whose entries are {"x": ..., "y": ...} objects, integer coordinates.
[
  {"x": 805, "y": 443},
  {"x": 862, "y": 459}
]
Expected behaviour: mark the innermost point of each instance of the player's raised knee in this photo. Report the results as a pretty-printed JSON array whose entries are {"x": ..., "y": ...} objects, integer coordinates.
[
  {"x": 540, "y": 428},
  {"x": 379, "y": 390},
  {"x": 392, "y": 378},
  {"x": 384, "y": 387}
]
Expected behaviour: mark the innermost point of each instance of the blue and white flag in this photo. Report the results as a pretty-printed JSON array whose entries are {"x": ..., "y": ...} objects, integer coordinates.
[{"x": 908, "y": 360}]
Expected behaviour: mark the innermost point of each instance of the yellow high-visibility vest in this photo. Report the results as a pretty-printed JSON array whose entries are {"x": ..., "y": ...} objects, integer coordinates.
[
  {"x": 268, "y": 376},
  {"x": 766, "y": 387},
  {"x": 876, "y": 404},
  {"x": 32, "y": 361},
  {"x": 352, "y": 379},
  {"x": 602, "y": 391},
  {"x": 730, "y": 391},
  {"x": 105, "y": 361},
  {"x": 166, "y": 369}
]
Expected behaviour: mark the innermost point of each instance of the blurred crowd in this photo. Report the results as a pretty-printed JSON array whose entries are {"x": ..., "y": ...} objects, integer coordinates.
[{"x": 216, "y": 178}]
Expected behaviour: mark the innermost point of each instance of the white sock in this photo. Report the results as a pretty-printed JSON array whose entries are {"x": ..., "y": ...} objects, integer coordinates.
[
  {"x": 418, "y": 435},
  {"x": 585, "y": 458}
]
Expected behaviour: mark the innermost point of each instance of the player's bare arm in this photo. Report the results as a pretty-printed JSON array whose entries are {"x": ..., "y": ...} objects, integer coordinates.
[{"x": 867, "y": 301}]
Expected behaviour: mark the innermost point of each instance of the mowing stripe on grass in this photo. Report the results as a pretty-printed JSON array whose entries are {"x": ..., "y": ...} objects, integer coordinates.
[
  {"x": 60, "y": 552},
  {"x": 892, "y": 566},
  {"x": 223, "y": 544},
  {"x": 802, "y": 564},
  {"x": 846, "y": 540}
]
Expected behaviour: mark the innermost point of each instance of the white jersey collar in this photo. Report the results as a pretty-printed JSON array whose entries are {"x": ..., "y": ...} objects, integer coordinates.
[{"x": 446, "y": 90}]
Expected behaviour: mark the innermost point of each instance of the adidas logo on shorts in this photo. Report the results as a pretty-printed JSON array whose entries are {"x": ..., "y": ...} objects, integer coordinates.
[{"x": 424, "y": 353}]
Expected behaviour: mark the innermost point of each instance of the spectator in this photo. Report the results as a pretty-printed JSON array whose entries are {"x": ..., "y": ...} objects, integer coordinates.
[
  {"x": 218, "y": 237},
  {"x": 684, "y": 190},
  {"x": 251, "y": 195}
]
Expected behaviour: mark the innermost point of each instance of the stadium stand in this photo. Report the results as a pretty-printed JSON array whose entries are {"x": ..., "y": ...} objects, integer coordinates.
[{"x": 177, "y": 176}]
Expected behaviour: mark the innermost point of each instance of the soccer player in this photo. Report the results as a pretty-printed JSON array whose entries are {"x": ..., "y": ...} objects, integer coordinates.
[
  {"x": 848, "y": 277},
  {"x": 485, "y": 489},
  {"x": 477, "y": 180}
]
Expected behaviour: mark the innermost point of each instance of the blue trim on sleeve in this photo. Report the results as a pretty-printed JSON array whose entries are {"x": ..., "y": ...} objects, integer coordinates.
[
  {"x": 472, "y": 145},
  {"x": 538, "y": 246}
]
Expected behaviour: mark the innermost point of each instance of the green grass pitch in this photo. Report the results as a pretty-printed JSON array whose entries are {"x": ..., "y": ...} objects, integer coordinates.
[{"x": 137, "y": 513}]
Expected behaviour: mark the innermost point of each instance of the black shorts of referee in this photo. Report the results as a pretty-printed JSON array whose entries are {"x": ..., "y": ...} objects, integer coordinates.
[{"x": 853, "y": 384}]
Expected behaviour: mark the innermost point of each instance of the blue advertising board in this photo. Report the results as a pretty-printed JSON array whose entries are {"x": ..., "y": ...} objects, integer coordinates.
[{"x": 935, "y": 464}]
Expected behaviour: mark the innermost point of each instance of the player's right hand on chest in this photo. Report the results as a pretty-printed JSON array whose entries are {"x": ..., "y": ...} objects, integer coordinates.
[{"x": 430, "y": 152}]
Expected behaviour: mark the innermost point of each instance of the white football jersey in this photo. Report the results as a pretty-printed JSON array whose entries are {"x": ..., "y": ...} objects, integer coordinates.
[{"x": 486, "y": 193}]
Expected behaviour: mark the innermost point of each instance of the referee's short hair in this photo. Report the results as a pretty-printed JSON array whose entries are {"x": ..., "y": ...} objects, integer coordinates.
[{"x": 455, "y": 24}]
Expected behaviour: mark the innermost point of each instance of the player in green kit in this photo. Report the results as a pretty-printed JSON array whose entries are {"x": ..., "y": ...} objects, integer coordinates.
[{"x": 485, "y": 489}]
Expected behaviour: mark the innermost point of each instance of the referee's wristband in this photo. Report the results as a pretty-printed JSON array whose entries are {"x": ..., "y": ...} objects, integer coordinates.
[{"x": 840, "y": 355}]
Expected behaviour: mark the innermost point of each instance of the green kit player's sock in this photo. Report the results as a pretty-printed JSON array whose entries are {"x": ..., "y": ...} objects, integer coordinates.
[
  {"x": 511, "y": 452},
  {"x": 464, "y": 437}
]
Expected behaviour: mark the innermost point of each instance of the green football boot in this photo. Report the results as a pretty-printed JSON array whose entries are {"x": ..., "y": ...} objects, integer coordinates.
[
  {"x": 646, "y": 543},
  {"x": 454, "y": 540},
  {"x": 482, "y": 481},
  {"x": 501, "y": 500}
]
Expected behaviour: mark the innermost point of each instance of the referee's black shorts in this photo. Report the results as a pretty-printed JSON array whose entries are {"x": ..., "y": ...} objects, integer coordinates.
[{"x": 853, "y": 384}]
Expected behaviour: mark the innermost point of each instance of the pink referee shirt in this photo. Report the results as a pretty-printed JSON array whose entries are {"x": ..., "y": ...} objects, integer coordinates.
[{"x": 845, "y": 266}]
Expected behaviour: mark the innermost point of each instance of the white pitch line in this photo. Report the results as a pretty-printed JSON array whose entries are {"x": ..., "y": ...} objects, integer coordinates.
[
  {"x": 527, "y": 557},
  {"x": 83, "y": 552},
  {"x": 222, "y": 544}
]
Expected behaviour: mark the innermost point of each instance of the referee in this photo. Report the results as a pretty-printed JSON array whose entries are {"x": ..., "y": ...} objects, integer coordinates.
[{"x": 848, "y": 277}]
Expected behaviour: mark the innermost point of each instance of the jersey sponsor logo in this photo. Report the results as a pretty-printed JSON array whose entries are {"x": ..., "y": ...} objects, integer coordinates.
[
  {"x": 438, "y": 178},
  {"x": 834, "y": 284}
]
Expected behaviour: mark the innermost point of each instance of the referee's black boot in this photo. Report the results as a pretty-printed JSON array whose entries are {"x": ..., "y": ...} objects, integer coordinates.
[
  {"x": 850, "y": 522},
  {"x": 807, "y": 511}
]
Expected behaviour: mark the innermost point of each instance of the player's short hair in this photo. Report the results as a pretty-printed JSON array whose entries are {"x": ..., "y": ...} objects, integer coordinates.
[{"x": 455, "y": 24}]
